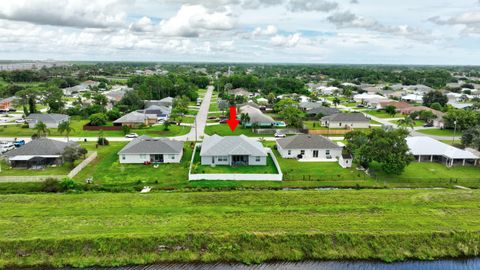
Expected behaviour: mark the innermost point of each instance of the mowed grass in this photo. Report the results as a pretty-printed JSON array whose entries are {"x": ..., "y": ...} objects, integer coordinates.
[
  {"x": 417, "y": 123},
  {"x": 107, "y": 169},
  {"x": 224, "y": 130},
  {"x": 77, "y": 125},
  {"x": 111, "y": 229},
  {"x": 6, "y": 170},
  {"x": 440, "y": 132}
]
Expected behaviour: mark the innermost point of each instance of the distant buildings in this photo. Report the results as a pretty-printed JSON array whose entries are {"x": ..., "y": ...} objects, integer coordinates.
[{"x": 51, "y": 120}]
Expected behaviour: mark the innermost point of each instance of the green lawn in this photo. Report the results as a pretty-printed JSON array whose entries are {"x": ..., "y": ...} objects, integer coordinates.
[
  {"x": 224, "y": 130},
  {"x": 6, "y": 170},
  {"x": 440, "y": 132},
  {"x": 107, "y": 170},
  {"x": 198, "y": 168},
  {"x": 213, "y": 107},
  {"x": 112, "y": 229},
  {"x": 418, "y": 123},
  {"x": 187, "y": 119},
  {"x": 383, "y": 114},
  {"x": 158, "y": 130}
]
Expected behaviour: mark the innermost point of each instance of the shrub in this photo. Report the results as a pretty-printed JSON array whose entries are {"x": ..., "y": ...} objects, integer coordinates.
[
  {"x": 102, "y": 141},
  {"x": 67, "y": 184},
  {"x": 51, "y": 185},
  {"x": 98, "y": 119}
]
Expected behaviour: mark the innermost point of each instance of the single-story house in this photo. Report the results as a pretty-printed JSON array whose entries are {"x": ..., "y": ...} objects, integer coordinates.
[
  {"x": 240, "y": 92},
  {"x": 162, "y": 112},
  {"x": 6, "y": 103},
  {"x": 51, "y": 120},
  {"x": 305, "y": 106},
  {"x": 167, "y": 102},
  {"x": 413, "y": 98},
  {"x": 324, "y": 111},
  {"x": 233, "y": 151},
  {"x": 146, "y": 149},
  {"x": 365, "y": 97},
  {"x": 82, "y": 87},
  {"x": 427, "y": 149},
  {"x": 309, "y": 147},
  {"x": 397, "y": 104},
  {"x": 38, "y": 153},
  {"x": 409, "y": 110},
  {"x": 136, "y": 119},
  {"x": 346, "y": 120},
  {"x": 257, "y": 117},
  {"x": 262, "y": 101}
]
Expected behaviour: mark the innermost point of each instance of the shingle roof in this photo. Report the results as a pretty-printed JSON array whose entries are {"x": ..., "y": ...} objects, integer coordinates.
[
  {"x": 341, "y": 117},
  {"x": 231, "y": 145},
  {"x": 40, "y": 147},
  {"x": 48, "y": 118},
  {"x": 306, "y": 141},
  {"x": 148, "y": 145},
  {"x": 427, "y": 146},
  {"x": 323, "y": 110},
  {"x": 134, "y": 117},
  {"x": 309, "y": 105},
  {"x": 256, "y": 116}
]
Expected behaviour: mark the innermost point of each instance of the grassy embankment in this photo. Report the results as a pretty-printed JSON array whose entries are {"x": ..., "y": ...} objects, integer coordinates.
[{"x": 249, "y": 226}]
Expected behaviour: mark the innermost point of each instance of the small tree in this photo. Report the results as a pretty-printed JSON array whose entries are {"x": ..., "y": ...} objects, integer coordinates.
[
  {"x": 166, "y": 125},
  {"x": 98, "y": 119},
  {"x": 125, "y": 130},
  {"x": 65, "y": 127},
  {"x": 41, "y": 129},
  {"x": 244, "y": 119},
  {"x": 73, "y": 153},
  {"x": 391, "y": 110},
  {"x": 406, "y": 122},
  {"x": 336, "y": 101}
]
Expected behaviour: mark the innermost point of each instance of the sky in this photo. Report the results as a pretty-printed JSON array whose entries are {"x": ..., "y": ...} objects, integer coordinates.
[{"x": 434, "y": 32}]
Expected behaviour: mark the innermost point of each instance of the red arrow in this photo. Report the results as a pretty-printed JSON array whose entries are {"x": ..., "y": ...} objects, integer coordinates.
[{"x": 233, "y": 121}]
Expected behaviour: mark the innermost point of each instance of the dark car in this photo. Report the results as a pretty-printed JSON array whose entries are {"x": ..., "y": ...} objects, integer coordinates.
[
  {"x": 428, "y": 125},
  {"x": 223, "y": 121}
]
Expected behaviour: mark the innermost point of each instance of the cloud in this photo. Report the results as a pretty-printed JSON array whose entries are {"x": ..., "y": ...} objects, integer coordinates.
[
  {"x": 311, "y": 5},
  {"x": 470, "y": 20},
  {"x": 286, "y": 41},
  {"x": 70, "y": 13},
  {"x": 346, "y": 19},
  {"x": 144, "y": 24},
  {"x": 267, "y": 31},
  {"x": 191, "y": 20}
]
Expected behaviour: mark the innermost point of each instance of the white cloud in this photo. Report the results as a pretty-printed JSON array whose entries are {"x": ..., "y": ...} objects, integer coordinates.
[
  {"x": 311, "y": 5},
  {"x": 144, "y": 24},
  {"x": 267, "y": 31},
  {"x": 71, "y": 13},
  {"x": 286, "y": 41}
]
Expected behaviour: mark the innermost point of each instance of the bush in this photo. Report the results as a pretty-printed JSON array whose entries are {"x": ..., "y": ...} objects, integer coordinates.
[
  {"x": 98, "y": 119},
  {"x": 113, "y": 114},
  {"x": 51, "y": 185},
  {"x": 102, "y": 141},
  {"x": 67, "y": 184}
]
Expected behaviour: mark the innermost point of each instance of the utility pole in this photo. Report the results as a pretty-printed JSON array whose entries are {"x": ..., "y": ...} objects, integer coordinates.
[{"x": 454, "y": 130}]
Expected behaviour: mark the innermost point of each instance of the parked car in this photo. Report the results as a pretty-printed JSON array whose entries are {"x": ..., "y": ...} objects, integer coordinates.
[
  {"x": 131, "y": 135},
  {"x": 19, "y": 143},
  {"x": 428, "y": 125},
  {"x": 6, "y": 146},
  {"x": 20, "y": 121},
  {"x": 279, "y": 135},
  {"x": 223, "y": 121}
]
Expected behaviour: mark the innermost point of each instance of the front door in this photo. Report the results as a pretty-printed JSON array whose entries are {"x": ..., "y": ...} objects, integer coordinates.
[{"x": 315, "y": 153}]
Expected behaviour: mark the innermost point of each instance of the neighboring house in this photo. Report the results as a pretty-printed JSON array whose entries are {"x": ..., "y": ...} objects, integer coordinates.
[
  {"x": 262, "y": 101},
  {"x": 51, "y": 120},
  {"x": 167, "y": 102},
  {"x": 309, "y": 147},
  {"x": 233, "y": 151},
  {"x": 413, "y": 98},
  {"x": 38, "y": 153},
  {"x": 240, "y": 92},
  {"x": 346, "y": 120},
  {"x": 6, "y": 103},
  {"x": 84, "y": 86},
  {"x": 397, "y": 104},
  {"x": 257, "y": 117},
  {"x": 323, "y": 111},
  {"x": 162, "y": 112},
  {"x": 136, "y": 119},
  {"x": 409, "y": 110},
  {"x": 305, "y": 106},
  {"x": 145, "y": 149},
  {"x": 431, "y": 150}
]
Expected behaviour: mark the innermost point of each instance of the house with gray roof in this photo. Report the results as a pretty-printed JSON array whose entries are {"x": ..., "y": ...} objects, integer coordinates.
[
  {"x": 162, "y": 112},
  {"x": 136, "y": 119},
  {"x": 51, "y": 120},
  {"x": 233, "y": 151},
  {"x": 257, "y": 117},
  {"x": 145, "y": 149},
  {"x": 346, "y": 120},
  {"x": 309, "y": 147},
  {"x": 167, "y": 102},
  {"x": 323, "y": 111},
  {"x": 38, "y": 153}
]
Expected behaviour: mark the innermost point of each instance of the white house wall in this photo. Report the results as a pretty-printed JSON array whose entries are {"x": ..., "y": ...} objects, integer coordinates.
[
  {"x": 141, "y": 158},
  {"x": 332, "y": 124},
  {"x": 322, "y": 156}
]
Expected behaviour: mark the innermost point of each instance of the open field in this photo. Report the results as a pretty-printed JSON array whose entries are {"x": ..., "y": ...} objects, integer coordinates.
[
  {"x": 248, "y": 226},
  {"x": 440, "y": 132}
]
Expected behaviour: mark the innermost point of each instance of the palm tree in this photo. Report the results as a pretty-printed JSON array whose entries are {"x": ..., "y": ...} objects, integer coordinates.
[
  {"x": 65, "y": 127},
  {"x": 406, "y": 122},
  {"x": 336, "y": 101},
  {"x": 41, "y": 129},
  {"x": 244, "y": 118}
]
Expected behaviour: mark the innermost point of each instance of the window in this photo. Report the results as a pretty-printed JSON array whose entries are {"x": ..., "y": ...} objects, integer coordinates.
[
  {"x": 222, "y": 158},
  {"x": 315, "y": 153},
  {"x": 123, "y": 157},
  {"x": 339, "y": 124},
  {"x": 327, "y": 152},
  {"x": 173, "y": 156},
  {"x": 289, "y": 152},
  {"x": 302, "y": 152},
  {"x": 257, "y": 159}
]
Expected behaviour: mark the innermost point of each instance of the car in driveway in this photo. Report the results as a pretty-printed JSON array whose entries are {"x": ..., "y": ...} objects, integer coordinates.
[
  {"x": 279, "y": 135},
  {"x": 428, "y": 125},
  {"x": 6, "y": 146},
  {"x": 20, "y": 121},
  {"x": 131, "y": 135}
]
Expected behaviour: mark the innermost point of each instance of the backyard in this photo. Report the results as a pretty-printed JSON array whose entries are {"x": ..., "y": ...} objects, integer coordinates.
[
  {"x": 383, "y": 114},
  {"x": 440, "y": 132},
  {"x": 224, "y": 130},
  {"x": 111, "y": 229}
]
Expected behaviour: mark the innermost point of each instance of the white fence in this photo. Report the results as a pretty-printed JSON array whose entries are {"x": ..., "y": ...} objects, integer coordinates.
[
  {"x": 238, "y": 176},
  {"x": 82, "y": 165}
]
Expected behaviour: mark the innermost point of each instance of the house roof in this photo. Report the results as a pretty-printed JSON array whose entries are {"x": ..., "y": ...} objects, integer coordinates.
[
  {"x": 157, "y": 109},
  {"x": 48, "y": 118},
  {"x": 342, "y": 117},
  {"x": 421, "y": 108},
  {"x": 40, "y": 147},
  {"x": 134, "y": 117},
  {"x": 306, "y": 141},
  {"x": 323, "y": 110},
  {"x": 239, "y": 92},
  {"x": 148, "y": 145},
  {"x": 8, "y": 100},
  {"x": 396, "y": 104},
  {"x": 427, "y": 146},
  {"x": 256, "y": 116},
  {"x": 231, "y": 145},
  {"x": 309, "y": 105}
]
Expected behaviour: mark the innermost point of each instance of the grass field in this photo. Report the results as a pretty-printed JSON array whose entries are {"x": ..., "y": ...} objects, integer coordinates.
[
  {"x": 6, "y": 170},
  {"x": 418, "y": 123},
  {"x": 440, "y": 132},
  {"x": 224, "y": 130},
  {"x": 111, "y": 229},
  {"x": 158, "y": 131}
]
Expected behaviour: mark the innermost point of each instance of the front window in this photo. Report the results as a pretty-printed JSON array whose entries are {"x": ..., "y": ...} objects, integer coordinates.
[
  {"x": 289, "y": 152},
  {"x": 257, "y": 159},
  {"x": 327, "y": 152},
  {"x": 302, "y": 152},
  {"x": 123, "y": 157}
]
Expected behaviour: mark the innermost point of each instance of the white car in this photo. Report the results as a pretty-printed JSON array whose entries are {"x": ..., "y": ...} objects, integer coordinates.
[
  {"x": 20, "y": 121},
  {"x": 6, "y": 146},
  {"x": 131, "y": 135},
  {"x": 279, "y": 135}
]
